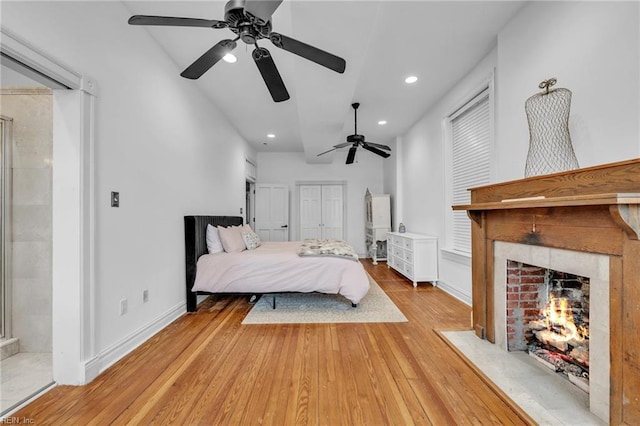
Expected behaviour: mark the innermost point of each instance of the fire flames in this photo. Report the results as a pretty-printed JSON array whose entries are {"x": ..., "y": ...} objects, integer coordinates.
[
  {"x": 557, "y": 328},
  {"x": 558, "y": 317}
]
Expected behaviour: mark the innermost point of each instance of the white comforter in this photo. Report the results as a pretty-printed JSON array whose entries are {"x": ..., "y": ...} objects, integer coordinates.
[{"x": 276, "y": 267}]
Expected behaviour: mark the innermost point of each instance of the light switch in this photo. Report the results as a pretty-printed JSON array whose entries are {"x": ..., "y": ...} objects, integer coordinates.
[{"x": 115, "y": 199}]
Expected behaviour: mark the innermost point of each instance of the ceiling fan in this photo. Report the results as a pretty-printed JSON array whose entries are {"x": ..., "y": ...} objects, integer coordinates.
[
  {"x": 356, "y": 139},
  {"x": 250, "y": 20}
]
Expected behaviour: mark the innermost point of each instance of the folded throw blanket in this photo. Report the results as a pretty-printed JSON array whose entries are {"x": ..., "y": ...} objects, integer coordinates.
[{"x": 327, "y": 247}]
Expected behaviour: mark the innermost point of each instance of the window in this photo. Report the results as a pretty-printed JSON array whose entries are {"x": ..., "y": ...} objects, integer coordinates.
[{"x": 470, "y": 152}]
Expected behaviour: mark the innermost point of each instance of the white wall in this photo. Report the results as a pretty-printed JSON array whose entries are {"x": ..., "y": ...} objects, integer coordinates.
[
  {"x": 591, "y": 47},
  {"x": 159, "y": 142},
  {"x": 366, "y": 172},
  {"x": 421, "y": 175}
]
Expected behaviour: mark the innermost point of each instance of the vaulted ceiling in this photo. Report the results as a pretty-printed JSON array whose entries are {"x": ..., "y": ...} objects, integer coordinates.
[{"x": 382, "y": 43}]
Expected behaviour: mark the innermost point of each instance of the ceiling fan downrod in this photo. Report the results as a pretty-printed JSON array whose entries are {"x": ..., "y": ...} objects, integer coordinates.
[{"x": 355, "y": 106}]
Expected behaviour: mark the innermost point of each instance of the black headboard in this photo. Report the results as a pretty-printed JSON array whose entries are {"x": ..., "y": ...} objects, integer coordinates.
[{"x": 195, "y": 230}]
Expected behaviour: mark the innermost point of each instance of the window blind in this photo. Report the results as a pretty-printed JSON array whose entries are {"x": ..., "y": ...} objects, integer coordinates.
[{"x": 470, "y": 134}]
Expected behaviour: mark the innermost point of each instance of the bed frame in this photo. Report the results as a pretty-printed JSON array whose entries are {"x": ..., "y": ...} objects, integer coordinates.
[
  {"x": 195, "y": 241},
  {"x": 195, "y": 232}
]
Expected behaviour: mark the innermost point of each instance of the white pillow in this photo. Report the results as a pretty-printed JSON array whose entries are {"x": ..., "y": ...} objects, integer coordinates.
[
  {"x": 251, "y": 240},
  {"x": 231, "y": 238},
  {"x": 214, "y": 245}
]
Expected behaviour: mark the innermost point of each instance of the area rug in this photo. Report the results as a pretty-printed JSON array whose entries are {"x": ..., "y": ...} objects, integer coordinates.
[{"x": 299, "y": 308}]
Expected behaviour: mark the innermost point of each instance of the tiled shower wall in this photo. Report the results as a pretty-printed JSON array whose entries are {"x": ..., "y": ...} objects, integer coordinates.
[{"x": 32, "y": 114}]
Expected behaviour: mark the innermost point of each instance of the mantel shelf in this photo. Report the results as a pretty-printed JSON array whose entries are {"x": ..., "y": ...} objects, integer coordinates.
[{"x": 537, "y": 202}]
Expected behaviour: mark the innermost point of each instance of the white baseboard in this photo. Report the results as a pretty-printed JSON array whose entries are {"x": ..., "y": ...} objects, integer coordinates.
[
  {"x": 118, "y": 350},
  {"x": 466, "y": 298}
]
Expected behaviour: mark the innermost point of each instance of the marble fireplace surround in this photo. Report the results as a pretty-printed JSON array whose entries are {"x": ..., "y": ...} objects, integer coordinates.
[{"x": 591, "y": 265}]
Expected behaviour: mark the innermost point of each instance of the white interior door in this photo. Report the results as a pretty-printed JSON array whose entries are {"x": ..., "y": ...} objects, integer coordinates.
[
  {"x": 272, "y": 212},
  {"x": 310, "y": 211},
  {"x": 321, "y": 211},
  {"x": 332, "y": 211}
]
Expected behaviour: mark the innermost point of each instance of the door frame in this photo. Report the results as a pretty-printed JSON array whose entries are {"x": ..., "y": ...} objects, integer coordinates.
[
  {"x": 6, "y": 128},
  {"x": 296, "y": 195},
  {"x": 73, "y": 222}
]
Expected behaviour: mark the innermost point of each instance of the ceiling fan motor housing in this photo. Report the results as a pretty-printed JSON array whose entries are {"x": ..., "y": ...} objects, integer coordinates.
[
  {"x": 245, "y": 26},
  {"x": 355, "y": 138}
]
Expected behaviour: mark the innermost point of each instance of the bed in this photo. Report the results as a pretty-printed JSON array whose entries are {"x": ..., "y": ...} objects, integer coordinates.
[{"x": 274, "y": 267}]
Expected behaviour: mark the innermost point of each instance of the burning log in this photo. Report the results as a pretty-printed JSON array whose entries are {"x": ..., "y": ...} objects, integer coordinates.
[{"x": 550, "y": 338}]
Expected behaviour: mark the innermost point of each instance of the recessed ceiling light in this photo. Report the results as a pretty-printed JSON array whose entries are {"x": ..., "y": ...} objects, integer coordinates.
[
  {"x": 411, "y": 79},
  {"x": 229, "y": 57},
  {"x": 382, "y": 122},
  {"x": 271, "y": 136}
]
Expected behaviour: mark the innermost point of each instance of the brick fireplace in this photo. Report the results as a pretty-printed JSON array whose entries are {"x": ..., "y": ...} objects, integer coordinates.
[
  {"x": 581, "y": 220},
  {"x": 592, "y": 266}
]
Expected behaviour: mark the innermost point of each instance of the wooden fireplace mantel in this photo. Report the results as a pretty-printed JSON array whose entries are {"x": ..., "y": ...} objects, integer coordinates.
[{"x": 596, "y": 210}]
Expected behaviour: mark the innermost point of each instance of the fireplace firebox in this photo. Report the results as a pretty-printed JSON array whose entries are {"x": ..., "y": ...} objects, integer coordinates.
[{"x": 547, "y": 315}]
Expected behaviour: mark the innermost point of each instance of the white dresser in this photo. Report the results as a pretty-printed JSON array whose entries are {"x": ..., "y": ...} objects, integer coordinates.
[
  {"x": 413, "y": 255},
  {"x": 377, "y": 225}
]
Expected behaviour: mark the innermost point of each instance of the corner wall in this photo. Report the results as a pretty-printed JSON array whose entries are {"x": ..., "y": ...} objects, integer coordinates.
[{"x": 592, "y": 48}]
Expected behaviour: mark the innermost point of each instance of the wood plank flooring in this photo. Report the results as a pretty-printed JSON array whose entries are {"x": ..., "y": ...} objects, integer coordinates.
[{"x": 207, "y": 368}]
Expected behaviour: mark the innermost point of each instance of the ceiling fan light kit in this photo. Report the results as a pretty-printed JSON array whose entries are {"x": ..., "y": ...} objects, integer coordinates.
[
  {"x": 356, "y": 140},
  {"x": 250, "y": 20}
]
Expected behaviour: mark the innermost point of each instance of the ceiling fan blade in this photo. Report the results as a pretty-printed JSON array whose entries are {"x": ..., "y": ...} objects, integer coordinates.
[
  {"x": 342, "y": 145},
  {"x": 377, "y": 145},
  {"x": 172, "y": 21},
  {"x": 351, "y": 155},
  {"x": 270, "y": 74},
  {"x": 261, "y": 9},
  {"x": 381, "y": 153},
  {"x": 209, "y": 59},
  {"x": 306, "y": 51},
  {"x": 326, "y": 152}
]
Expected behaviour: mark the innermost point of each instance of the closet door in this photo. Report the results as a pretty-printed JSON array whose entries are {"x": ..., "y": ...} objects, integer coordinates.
[
  {"x": 332, "y": 212},
  {"x": 321, "y": 211},
  {"x": 310, "y": 211}
]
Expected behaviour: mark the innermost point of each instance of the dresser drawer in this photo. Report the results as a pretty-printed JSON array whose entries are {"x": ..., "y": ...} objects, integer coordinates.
[
  {"x": 396, "y": 241},
  {"x": 407, "y": 244},
  {"x": 407, "y": 256}
]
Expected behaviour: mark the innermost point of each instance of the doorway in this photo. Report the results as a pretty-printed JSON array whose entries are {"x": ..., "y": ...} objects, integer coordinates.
[
  {"x": 26, "y": 235},
  {"x": 250, "y": 201}
]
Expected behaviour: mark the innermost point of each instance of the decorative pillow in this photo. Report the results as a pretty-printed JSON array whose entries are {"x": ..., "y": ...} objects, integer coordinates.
[
  {"x": 251, "y": 240},
  {"x": 214, "y": 245},
  {"x": 246, "y": 228},
  {"x": 231, "y": 238}
]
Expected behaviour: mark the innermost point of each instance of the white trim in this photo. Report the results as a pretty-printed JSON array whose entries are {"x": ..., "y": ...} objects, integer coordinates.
[
  {"x": 30, "y": 56},
  {"x": 126, "y": 345},
  {"x": 456, "y": 256},
  {"x": 455, "y": 292},
  {"x": 487, "y": 85},
  {"x": 22, "y": 420}
]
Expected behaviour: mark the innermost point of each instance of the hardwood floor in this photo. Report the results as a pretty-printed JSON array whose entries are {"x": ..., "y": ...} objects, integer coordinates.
[{"x": 207, "y": 368}]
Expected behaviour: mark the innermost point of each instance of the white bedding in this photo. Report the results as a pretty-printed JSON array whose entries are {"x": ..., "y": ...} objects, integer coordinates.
[{"x": 276, "y": 267}]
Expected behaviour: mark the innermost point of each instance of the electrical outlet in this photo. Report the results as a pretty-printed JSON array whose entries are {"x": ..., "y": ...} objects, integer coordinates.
[
  {"x": 145, "y": 296},
  {"x": 115, "y": 199},
  {"x": 123, "y": 306}
]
